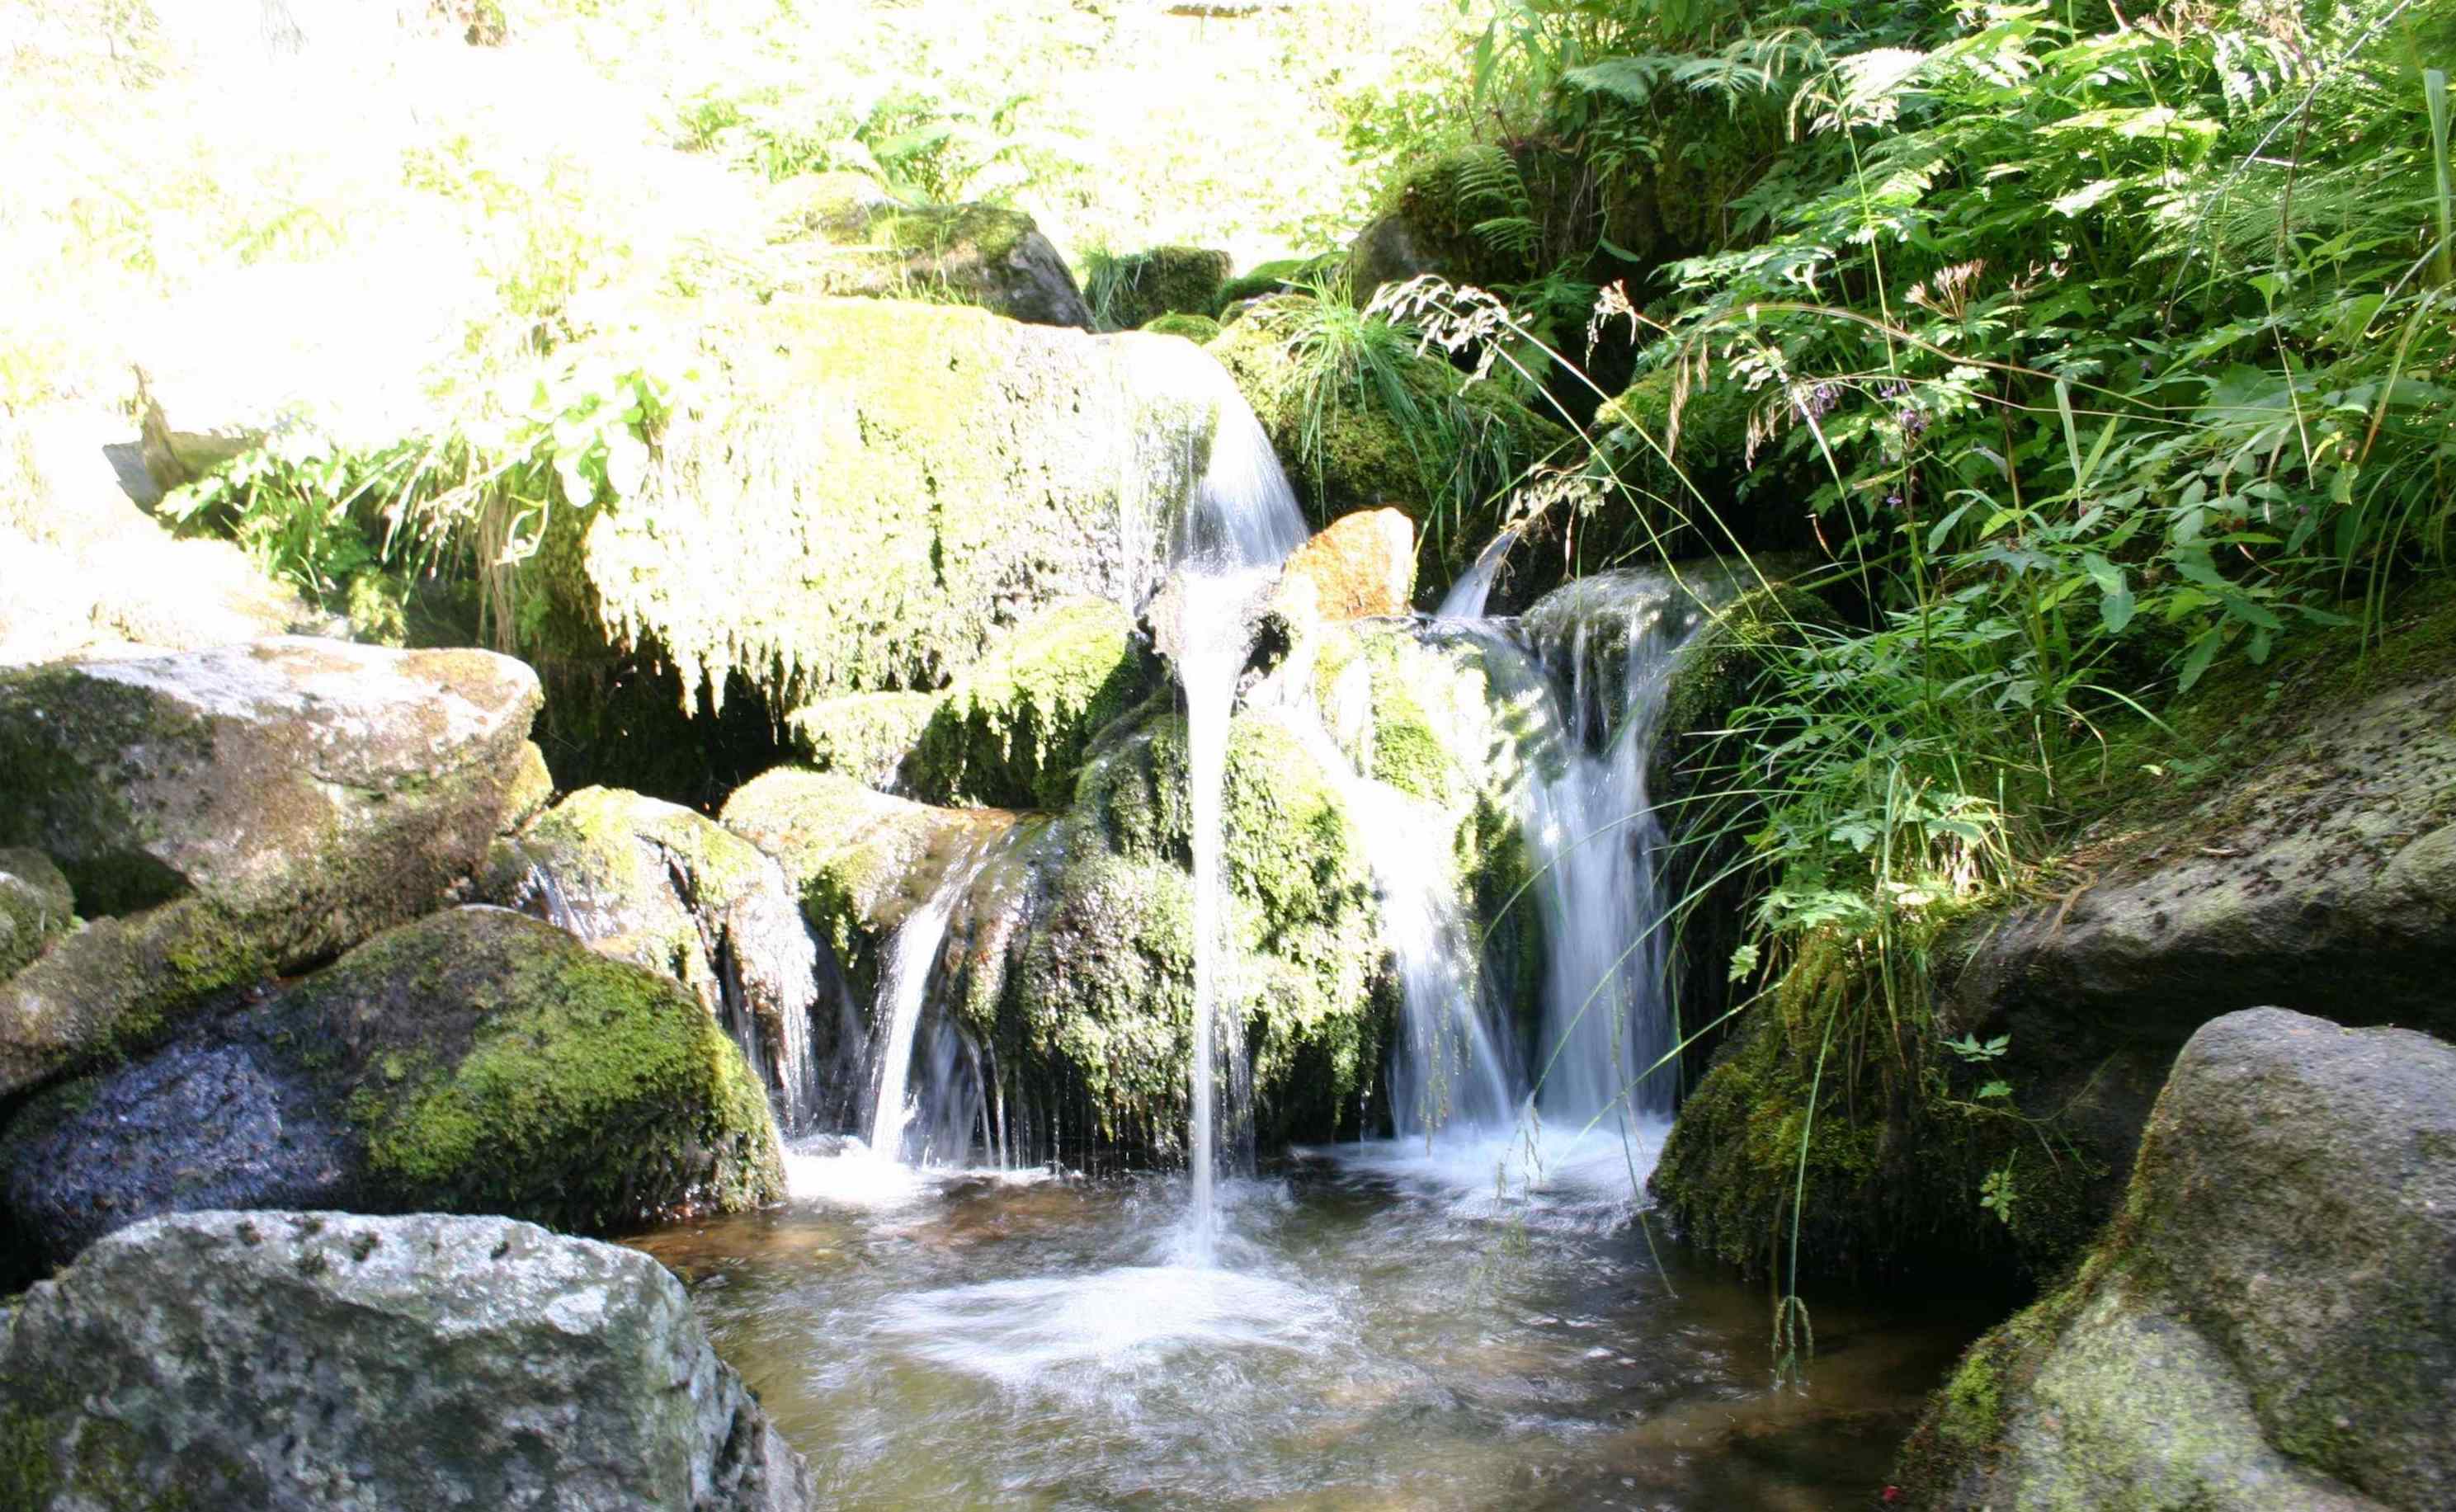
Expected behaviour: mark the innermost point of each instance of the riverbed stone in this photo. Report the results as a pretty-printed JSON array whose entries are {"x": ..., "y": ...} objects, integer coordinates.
[
  {"x": 2271, "y": 1321},
  {"x": 321, "y": 1359},
  {"x": 231, "y": 813},
  {"x": 663, "y": 888},
  {"x": 1360, "y": 564},
  {"x": 477, "y": 1060}
]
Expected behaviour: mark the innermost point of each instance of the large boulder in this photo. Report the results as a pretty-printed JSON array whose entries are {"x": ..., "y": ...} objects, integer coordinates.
[
  {"x": 658, "y": 886},
  {"x": 2271, "y": 1323},
  {"x": 872, "y": 491},
  {"x": 476, "y": 1061},
  {"x": 226, "y": 814},
  {"x": 337, "y": 1361},
  {"x": 861, "y": 240}
]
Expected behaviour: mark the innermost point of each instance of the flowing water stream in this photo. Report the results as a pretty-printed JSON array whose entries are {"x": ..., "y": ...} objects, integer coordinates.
[{"x": 1467, "y": 1315}]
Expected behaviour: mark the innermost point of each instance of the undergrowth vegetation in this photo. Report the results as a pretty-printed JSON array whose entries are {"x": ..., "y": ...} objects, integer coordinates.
[{"x": 2079, "y": 352}]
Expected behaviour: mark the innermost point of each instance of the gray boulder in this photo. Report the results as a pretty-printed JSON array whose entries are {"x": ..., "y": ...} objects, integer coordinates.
[
  {"x": 330, "y": 1360},
  {"x": 2271, "y": 1323},
  {"x": 227, "y": 815}
]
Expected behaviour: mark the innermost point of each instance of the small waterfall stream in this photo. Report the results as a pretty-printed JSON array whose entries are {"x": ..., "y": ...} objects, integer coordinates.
[{"x": 903, "y": 994}]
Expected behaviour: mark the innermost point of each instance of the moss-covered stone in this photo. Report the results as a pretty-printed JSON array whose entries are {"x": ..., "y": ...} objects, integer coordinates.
[
  {"x": 867, "y": 737},
  {"x": 272, "y": 803},
  {"x": 1013, "y": 730},
  {"x": 2263, "y": 1326},
  {"x": 36, "y": 905},
  {"x": 873, "y": 493},
  {"x": 476, "y": 1061},
  {"x": 1128, "y": 292},
  {"x": 1833, "y": 1114},
  {"x": 1197, "y": 328},
  {"x": 863, "y": 241},
  {"x": 859, "y": 861},
  {"x": 669, "y": 889},
  {"x": 1284, "y": 275}
]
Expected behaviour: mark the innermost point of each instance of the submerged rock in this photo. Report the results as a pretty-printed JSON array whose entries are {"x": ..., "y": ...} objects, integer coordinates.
[
  {"x": 661, "y": 887},
  {"x": 475, "y": 1061},
  {"x": 227, "y": 815},
  {"x": 864, "y": 240},
  {"x": 335, "y": 1361},
  {"x": 2272, "y": 1320}
]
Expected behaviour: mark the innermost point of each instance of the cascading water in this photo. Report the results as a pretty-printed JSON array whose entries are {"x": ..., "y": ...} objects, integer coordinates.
[
  {"x": 1243, "y": 523},
  {"x": 1469, "y": 594},
  {"x": 1608, "y": 645},
  {"x": 903, "y": 993}
]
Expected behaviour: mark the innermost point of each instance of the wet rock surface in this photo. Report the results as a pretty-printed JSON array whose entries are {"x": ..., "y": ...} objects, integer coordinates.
[{"x": 303, "y": 1360}]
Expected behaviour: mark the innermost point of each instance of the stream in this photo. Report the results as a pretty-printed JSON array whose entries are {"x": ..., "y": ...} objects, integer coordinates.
[{"x": 1387, "y": 1327}]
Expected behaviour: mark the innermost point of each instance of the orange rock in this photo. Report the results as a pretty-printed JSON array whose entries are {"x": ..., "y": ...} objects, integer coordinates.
[{"x": 1362, "y": 565}]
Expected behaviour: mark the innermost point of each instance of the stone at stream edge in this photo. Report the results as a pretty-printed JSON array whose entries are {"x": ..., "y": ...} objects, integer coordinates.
[
  {"x": 863, "y": 241},
  {"x": 226, "y": 814},
  {"x": 476, "y": 1061},
  {"x": 36, "y": 905},
  {"x": 1362, "y": 566},
  {"x": 334, "y": 1360},
  {"x": 2270, "y": 1323}
]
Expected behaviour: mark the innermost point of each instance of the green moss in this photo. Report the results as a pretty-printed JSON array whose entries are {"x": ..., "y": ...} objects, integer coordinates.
[
  {"x": 495, "y": 1065},
  {"x": 1267, "y": 279},
  {"x": 1013, "y": 729},
  {"x": 1127, "y": 292},
  {"x": 1196, "y": 328},
  {"x": 864, "y": 736},
  {"x": 29, "y": 1476},
  {"x": 36, "y": 905},
  {"x": 875, "y": 493}
]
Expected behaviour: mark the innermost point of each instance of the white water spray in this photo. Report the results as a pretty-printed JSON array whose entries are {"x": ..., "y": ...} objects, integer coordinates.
[{"x": 903, "y": 993}]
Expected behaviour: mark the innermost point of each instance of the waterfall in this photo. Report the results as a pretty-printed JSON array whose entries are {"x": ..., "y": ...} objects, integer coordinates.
[
  {"x": 903, "y": 994},
  {"x": 1607, "y": 646},
  {"x": 1452, "y": 1068},
  {"x": 1243, "y": 523},
  {"x": 1466, "y": 597}
]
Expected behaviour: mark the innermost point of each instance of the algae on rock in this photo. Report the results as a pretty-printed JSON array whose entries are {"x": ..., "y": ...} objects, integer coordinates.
[{"x": 1012, "y": 730}]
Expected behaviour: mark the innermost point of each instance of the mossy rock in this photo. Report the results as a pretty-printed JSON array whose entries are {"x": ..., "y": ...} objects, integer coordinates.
[
  {"x": 1196, "y": 328},
  {"x": 867, "y": 737},
  {"x": 1013, "y": 730},
  {"x": 1285, "y": 275},
  {"x": 1357, "y": 453},
  {"x": 1128, "y": 292},
  {"x": 876, "y": 493},
  {"x": 863, "y": 241},
  {"x": 858, "y": 861},
  {"x": 35, "y": 906},
  {"x": 2265, "y": 1324},
  {"x": 234, "y": 812},
  {"x": 665, "y": 887},
  {"x": 1818, "y": 1116},
  {"x": 476, "y": 1061}
]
